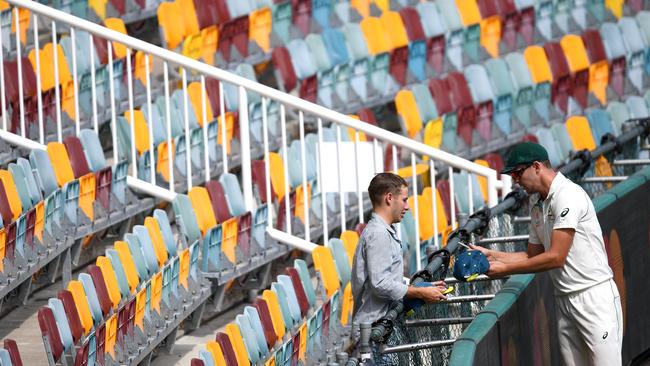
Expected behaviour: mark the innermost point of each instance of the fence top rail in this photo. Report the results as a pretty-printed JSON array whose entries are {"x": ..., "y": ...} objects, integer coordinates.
[{"x": 263, "y": 90}]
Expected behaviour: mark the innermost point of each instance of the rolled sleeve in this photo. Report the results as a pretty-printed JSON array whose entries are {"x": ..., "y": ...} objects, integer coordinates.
[{"x": 385, "y": 282}]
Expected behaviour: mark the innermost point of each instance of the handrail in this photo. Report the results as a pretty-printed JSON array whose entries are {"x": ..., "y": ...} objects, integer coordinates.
[{"x": 284, "y": 98}]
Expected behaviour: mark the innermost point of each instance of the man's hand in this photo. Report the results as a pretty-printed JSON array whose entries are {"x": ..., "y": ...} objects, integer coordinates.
[
  {"x": 497, "y": 269},
  {"x": 487, "y": 252},
  {"x": 431, "y": 294}
]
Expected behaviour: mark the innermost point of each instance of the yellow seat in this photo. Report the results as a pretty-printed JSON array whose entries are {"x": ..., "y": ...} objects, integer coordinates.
[
  {"x": 616, "y": 7},
  {"x": 140, "y": 129},
  {"x": 203, "y": 209},
  {"x": 276, "y": 314},
  {"x": 362, "y": 6},
  {"x": 210, "y": 38},
  {"x": 575, "y": 52},
  {"x": 131, "y": 273},
  {"x": 537, "y": 61},
  {"x": 270, "y": 361},
  {"x": 87, "y": 195},
  {"x": 173, "y": 28},
  {"x": 324, "y": 263},
  {"x": 23, "y": 18},
  {"x": 230, "y": 128},
  {"x": 599, "y": 80},
  {"x": 299, "y": 211},
  {"x": 60, "y": 162},
  {"x": 491, "y": 35},
  {"x": 40, "y": 220},
  {"x": 156, "y": 291},
  {"x": 482, "y": 181},
  {"x": 433, "y": 134},
  {"x": 46, "y": 72},
  {"x": 188, "y": 13},
  {"x": 602, "y": 168},
  {"x": 184, "y": 272},
  {"x": 469, "y": 12},
  {"x": 260, "y": 24},
  {"x": 229, "y": 231},
  {"x": 111, "y": 334},
  {"x": 162, "y": 163},
  {"x": 351, "y": 131},
  {"x": 424, "y": 216},
  {"x": 350, "y": 239},
  {"x": 348, "y": 304},
  {"x": 157, "y": 239},
  {"x": 194, "y": 92},
  {"x": 140, "y": 308},
  {"x": 140, "y": 70},
  {"x": 392, "y": 22},
  {"x": 303, "y": 341},
  {"x": 99, "y": 7},
  {"x": 117, "y": 25},
  {"x": 407, "y": 171},
  {"x": 233, "y": 332},
  {"x": 217, "y": 354},
  {"x": 441, "y": 216},
  {"x": 383, "y": 5},
  {"x": 580, "y": 133},
  {"x": 277, "y": 174},
  {"x": 192, "y": 46},
  {"x": 12, "y": 194},
  {"x": 110, "y": 279},
  {"x": 407, "y": 109},
  {"x": 376, "y": 36},
  {"x": 81, "y": 304}
]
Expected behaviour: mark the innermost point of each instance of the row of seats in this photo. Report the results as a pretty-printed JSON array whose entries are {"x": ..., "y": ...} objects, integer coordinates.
[
  {"x": 561, "y": 74},
  {"x": 65, "y": 86},
  {"x": 127, "y": 301},
  {"x": 292, "y": 322},
  {"x": 9, "y": 354},
  {"x": 67, "y": 190}
]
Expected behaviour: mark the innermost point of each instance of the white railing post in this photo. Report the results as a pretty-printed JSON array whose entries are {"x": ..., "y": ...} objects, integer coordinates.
[{"x": 245, "y": 147}]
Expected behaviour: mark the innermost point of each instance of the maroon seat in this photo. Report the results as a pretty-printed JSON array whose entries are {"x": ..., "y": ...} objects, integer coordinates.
[
  {"x": 206, "y": 12},
  {"x": 258, "y": 174},
  {"x": 594, "y": 46},
  {"x": 359, "y": 228},
  {"x": 12, "y": 80},
  {"x": 399, "y": 59},
  {"x": 441, "y": 96},
  {"x": 244, "y": 222},
  {"x": 299, "y": 289},
  {"x": 122, "y": 325},
  {"x": 527, "y": 24},
  {"x": 103, "y": 184},
  {"x": 100, "y": 287},
  {"x": 529, "y": 137},
  {"x": 281, "y": 224},
  {"x": 283, "y": 66},
  {"x": 218, "y": 200},
  {"x": 442, "y": 186},
  {"x": 561, "y": 88},
  {"x": 50, "y": 331},
  {"x": 77, "y": 156},
  {"x": 81, "y": 358},
  {"x": 101, "y": 46},
  {"x": 30, "y": 219},
  {"x": 234, "y": 32},
  {"x": 461, "y": 100},
  {"x": 212, "y": 89},
  {"x": 368, "y": 116},
  {"x": 309, "y": 88},
  {"x": 301, "y": 15},
  {"x": 636, "y": 5},
  {"x": 71, "y": 313},
  {"x": 100, "y": 344},
  {"x": 267, "y": 322},
  {"x": 436, "y": 53},
  {"x": 411, "y": 20},
  {"x": 10, "y": 241},
  {"x": 510, "y": 22},
  {"x": 295, "y": 350},
  {"x": 325, "y": 328},
  {"x": 226, "y": 348},
  {"x": 196, "y": 362},
  {"x": 119, "y": 5},
  {"x": 11, "y": 347},
  {"x": 495, "y": 161},
  {"x": 223, "y": 14}
]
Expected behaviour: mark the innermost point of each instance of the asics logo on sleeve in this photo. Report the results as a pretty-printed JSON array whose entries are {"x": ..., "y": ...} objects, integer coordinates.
[{"x": 564, "y": 212}]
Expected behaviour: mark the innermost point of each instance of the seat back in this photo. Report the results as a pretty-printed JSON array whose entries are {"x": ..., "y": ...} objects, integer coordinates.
[
  {"x": 299, "y": 290},
  {"x": 279, "y": 324},
  {"x": 76, "y": 329},
  {"x": 11, "y": 346},
  {"x": 248, "y": 336},
  {"x": 267, "y": 322},
  {"x": 77, "y": 156},
  {"x": 186, "y": 218},
  {"x": 81, "y": 304},
  {"x": 580, "y": 133},
  {"x": 166, "y": 230},
  {"x": 60, "y": 162},
  {"x": 234, "y": 195},
  {"x": 324, "y": 264},
  {"x": 218, "y": 200},
  {"x": 92, "y": 298},
  {"x": 21, "y": 186},
  {"x": 12, "y": 194},
  {"x": 110, "y": 280},
  {"x": 226, "y": 346},
  {"x": 258, "y": 329},
  {"x": 156, "y": 236},
  {"x": 138, "y": 256},
  {"x": 237, "y": 341},
  {"x": 61, "y": 322},
  {"x": 100, "y": 288},
  {"x": 50, "y": 330},
  {"x": 341, "y": 260},
  {"x": 120, "y": 276}
]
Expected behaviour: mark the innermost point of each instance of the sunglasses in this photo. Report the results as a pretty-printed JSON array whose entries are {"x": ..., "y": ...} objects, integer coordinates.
[{"x": 516, "y": 174}]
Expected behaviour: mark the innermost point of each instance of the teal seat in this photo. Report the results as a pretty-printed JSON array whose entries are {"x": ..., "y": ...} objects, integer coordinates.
[
  {"x": 21, "y": 186},
  {"x": 461, "y": 190},
  {"x": 360, "y": 62},
  {"x": 148, "y": 251},
  {"x": 523, "y": 87},
  {"x": 71, "y": 203},
  {"x": 456, "y": 32},
  {"x": 238, "y": 8},
  {"x": 211, "y": 248},
  {"x": 600, "y": 124},
  {"x": 176, "y": 118},
  {"x": 301, "y": 266},
  {"x": 432, "y": 21},
  {"x": 482, "y": 94},
  {"x": 546, "y": 139},
  {"x": 292, "y": 299},
  {"x": 206, "y": 357},
  {"x": 233, "y": 193},
  {"x": 61, "y": 323},
  {"x": 248, "y": 334},
  {"x": 186, "y": 218},
  {"x": 32, "y": 187},
  {"x": 504, "y": 90},
  {"x": 337, "y": 51},
  {"x": 424, "y": 100},
  {"x": 613, "y": 41},
  {"x": 43, "y": 171},
  {"x": 166, "y": 230},
  {"x": 5, "y": 357},
  {"x": 637, "y": 107},
  {"x": 91, "y": 297},
  {"x": 260, "y": 222},
  {"x": 118, "y": 187},
  {"x": 122, "y": 282},
  {"x": 138, "y": 257},
  {"x": 643, "y": 21},
  {"x": 563, "y": 140},
  {"x": 284, "y": 305},
  {"x": 282, "y": 21},
  {"x": 636, "y": 49},
  {"x": 562, "y": 14},
  {"x": 341, "y": 261},
  {"x": 325, "y": 71},
  {"x": 544, "y": 18},
  {"x": 618, "y": 113},
  {"x": 159, "y": 124},
  {"x": 258, "y": 329},
  {"x": 178, "y": 105},
  {"x": 92, "y": 150}
]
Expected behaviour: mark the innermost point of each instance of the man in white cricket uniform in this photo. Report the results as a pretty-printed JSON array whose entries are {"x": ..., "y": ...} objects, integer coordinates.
[{"x": 566, "y": 240}]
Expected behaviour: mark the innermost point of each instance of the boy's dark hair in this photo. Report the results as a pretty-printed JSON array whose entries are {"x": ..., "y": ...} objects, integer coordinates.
[{"x": 382, "y": 184}]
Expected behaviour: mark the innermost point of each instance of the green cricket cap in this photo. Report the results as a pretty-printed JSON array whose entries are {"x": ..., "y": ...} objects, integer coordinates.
[{"x": 524, "y": 153}]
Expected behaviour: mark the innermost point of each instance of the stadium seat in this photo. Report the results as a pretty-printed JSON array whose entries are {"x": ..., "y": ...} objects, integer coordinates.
[
  {"x": 50, "y": 333},
  {"x": 616, "y": 53},
  {"x": 580, "y": 133},
  {"x": 599, "y": 68},
  {"x": 578, "y": 62},
  {"x": 636, "y": 49},
  {"x": 542, "y": 77},
  {"x": 483, "y": 97}
]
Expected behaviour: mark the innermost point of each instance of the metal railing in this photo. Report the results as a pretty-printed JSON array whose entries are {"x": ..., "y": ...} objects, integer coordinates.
[{"x": 239, "y": 95}]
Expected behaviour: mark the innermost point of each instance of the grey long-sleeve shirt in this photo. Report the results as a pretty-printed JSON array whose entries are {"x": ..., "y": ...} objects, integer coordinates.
[{"x": 377, "y": 271}]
